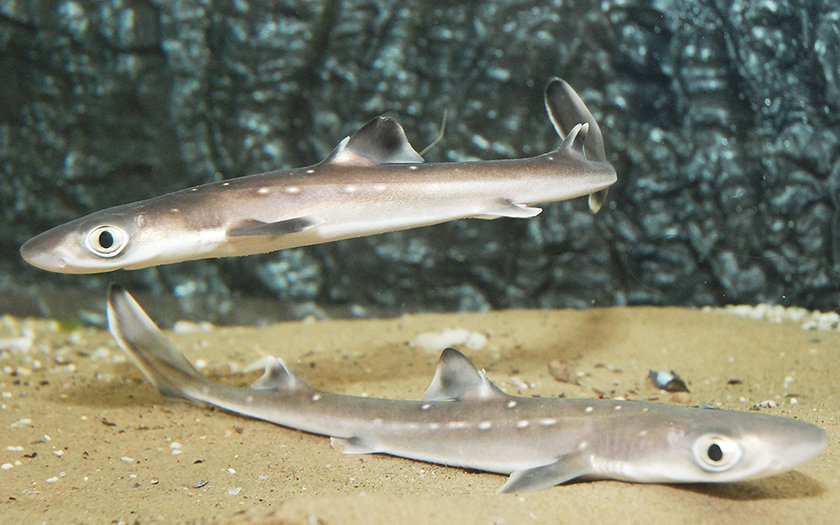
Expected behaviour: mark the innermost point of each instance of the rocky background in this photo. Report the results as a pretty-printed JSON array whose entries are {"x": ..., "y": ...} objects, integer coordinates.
[{"x": 720, "y": 117}]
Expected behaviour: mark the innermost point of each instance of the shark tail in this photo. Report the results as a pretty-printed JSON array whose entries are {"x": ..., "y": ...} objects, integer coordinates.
[
  {"x": 566, "y": 110},
  {"x": 166, "y": 368}
]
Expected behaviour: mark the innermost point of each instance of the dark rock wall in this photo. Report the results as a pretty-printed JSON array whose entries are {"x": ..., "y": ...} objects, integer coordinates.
[{"x": 720, "y": 117}]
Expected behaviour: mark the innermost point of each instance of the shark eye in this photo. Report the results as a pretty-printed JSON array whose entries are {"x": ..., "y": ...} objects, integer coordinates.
[
  {"x": 106, "y": 241},
  {"x": 716, "y": 453}
]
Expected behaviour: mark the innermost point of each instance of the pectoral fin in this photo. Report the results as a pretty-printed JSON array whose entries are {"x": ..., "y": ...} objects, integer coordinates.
[
  {"x": 565, "y": 469},
  {"x": 506, "y": 208},
  {"x": 284, "y": 227},
  {"x": 353, "y": 445}
]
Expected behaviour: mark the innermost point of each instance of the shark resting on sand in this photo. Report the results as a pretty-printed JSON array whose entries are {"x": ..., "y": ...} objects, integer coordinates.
[
  {"x": 466, "y": 421},
  {"x": 373, "y": 182}
]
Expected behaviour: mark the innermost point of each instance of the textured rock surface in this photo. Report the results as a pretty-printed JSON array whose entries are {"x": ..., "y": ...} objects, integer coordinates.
[{"x": 720, "y": 117}]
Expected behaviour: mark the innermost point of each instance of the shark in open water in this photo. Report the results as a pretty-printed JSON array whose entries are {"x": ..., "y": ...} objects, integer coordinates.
[
  {"x": 373, "y": 182},
  {"x": 466, "y": 421}
]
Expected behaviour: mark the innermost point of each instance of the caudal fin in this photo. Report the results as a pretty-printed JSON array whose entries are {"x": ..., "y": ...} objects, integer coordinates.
[
  {"x": 154, "y": 354},
  {"x": 566, "y": 110}
]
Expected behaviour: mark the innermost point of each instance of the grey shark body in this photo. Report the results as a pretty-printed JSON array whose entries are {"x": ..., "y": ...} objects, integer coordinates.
[
  {"x": 466, "y": 421},
  {"x": 373, "y": 182}
]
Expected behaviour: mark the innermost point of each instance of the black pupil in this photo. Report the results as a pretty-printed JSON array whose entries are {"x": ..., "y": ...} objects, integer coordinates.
[
  {"x": 715, "y": 453},
  {"x": 106, "y": 240}
]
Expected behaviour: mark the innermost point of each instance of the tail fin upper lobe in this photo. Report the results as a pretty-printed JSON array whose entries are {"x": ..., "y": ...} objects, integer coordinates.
[{"x": 141, "y": 339}]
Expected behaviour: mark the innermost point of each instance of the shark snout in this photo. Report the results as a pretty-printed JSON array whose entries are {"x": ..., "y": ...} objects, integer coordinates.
[
  {"x": 802, "y": 446},
  {"x": 50, "y": 251},
  {"x": 786, "y": 446},
  {"x": 40, "y": 254}
]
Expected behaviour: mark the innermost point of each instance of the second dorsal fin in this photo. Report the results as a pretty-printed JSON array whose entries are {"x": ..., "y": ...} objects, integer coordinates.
[
  {"x": 278, "y": 377},
  {"x": 380, "y": 141},
  {"x": 576, "y": 139},
  {"x": 457, "y": 378}
]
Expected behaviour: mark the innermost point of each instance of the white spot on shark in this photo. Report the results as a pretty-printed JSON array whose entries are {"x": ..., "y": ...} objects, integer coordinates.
[
  {"x": 380, "y": 187},
  {"x": 511, "y": 404},
  {"x": 426, "y": 406},
  {"x": 310, "y": 171},
  {"x": 211, "y": 237},
  {"x": 643, "y": 433},
  {"x": 316, "y": 397},
  {"x": 485, "y": 425},
  {"x": 589, "y": 410},
  {"x": 249, "y": 399},
  {"x": 292, "y": 189},
  {"x": 618, "y": 407},
  {"x": 457, "y": 425},
  {"x": 434, "y": 426},
  {"x": 583, "y": 445},
  {"x": 521, "y": 424},
  {"x": 263, "y": 191},
  {"x": 349, "y": 189},
  {"x": 548, "y": 422}
]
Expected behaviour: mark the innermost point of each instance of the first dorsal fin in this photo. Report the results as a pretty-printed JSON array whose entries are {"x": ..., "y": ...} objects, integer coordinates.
[
  {"x": 380, "y": 141},
  {"x": 457, "y": 378},
  {"x": 278, "y": 377}
]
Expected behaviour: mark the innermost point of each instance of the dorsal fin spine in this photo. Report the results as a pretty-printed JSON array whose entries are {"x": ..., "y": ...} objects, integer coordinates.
[
  {"x": 576, "y": 139},
  {"x": 487, "y": 389}
]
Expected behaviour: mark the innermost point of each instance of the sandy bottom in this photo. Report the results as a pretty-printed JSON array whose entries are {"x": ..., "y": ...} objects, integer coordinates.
[{"x": 85, "y": 439}]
